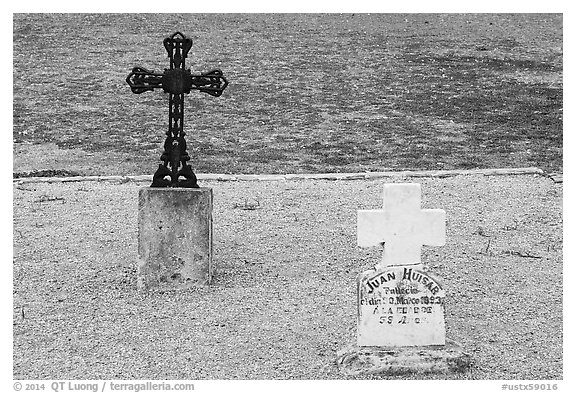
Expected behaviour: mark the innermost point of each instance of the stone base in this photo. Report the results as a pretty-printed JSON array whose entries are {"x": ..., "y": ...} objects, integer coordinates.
[
  {"x": 442, "y": 359},
  {"x": 174, "y": 237}
]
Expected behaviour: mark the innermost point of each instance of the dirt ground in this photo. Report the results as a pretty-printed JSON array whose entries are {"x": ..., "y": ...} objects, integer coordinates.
[{"x": 283, "y": 299}]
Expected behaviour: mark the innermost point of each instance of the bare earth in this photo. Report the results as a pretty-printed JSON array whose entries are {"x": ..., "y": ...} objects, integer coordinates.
[
  {"x": 308, "y": 93},
  {"x": 283, "y": 298}
]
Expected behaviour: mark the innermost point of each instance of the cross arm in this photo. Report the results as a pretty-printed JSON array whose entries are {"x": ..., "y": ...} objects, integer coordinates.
[
  {"x": 434, "y": 225},
  {"x": 177, "y": 81},
  {"x": 141, "y": 80},
  {"x": 211, "y": 82},
  {"x": 371, "y": 228}
]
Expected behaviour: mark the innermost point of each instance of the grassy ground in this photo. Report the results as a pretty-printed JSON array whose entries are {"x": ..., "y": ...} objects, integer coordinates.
[
  {"x": 283, "y": 299},
  {"x": 307, "y": 93}
]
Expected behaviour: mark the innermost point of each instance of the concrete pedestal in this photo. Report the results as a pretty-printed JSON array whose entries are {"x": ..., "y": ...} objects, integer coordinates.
[
  {"x": 431, "y": 359},
  {"x": 174, "y": 237}
]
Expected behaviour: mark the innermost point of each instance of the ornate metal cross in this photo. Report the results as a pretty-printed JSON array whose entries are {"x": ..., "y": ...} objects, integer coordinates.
[{"x": 177, "y": 81}]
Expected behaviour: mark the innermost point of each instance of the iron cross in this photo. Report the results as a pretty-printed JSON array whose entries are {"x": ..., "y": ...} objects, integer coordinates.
[{"x": 177, "y": 81}]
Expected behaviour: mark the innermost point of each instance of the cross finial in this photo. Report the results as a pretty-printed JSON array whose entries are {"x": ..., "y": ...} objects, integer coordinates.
[{"x": 401, "y": 226}]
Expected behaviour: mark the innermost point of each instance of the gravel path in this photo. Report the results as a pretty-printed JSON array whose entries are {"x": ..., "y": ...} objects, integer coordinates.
[{"x": 283, "y": 298}]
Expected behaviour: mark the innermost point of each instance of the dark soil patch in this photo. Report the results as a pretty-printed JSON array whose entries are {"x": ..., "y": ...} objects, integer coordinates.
[
  {"x": 46, "y": 173},
  {"x": 307, "y": 93}
]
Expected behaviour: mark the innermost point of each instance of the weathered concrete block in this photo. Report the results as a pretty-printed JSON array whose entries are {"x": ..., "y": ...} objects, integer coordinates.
[
  {"x": 431, "y": 359},
  {"x": 174, "y": 237}
]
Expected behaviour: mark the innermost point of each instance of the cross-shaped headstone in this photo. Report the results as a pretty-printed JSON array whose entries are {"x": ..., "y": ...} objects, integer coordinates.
[
  {"x": 177, "y": 81},
  {"x": 401, "y": 226}
]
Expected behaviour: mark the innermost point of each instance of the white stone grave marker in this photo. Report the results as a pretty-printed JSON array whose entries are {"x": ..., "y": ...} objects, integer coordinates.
[
  {"x": 398, "y": 303},
  {"x": 400, "y": 306}
]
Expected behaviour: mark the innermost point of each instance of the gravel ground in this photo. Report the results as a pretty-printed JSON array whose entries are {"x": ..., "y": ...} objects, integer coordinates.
[{"x": 283, "y": 297}]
